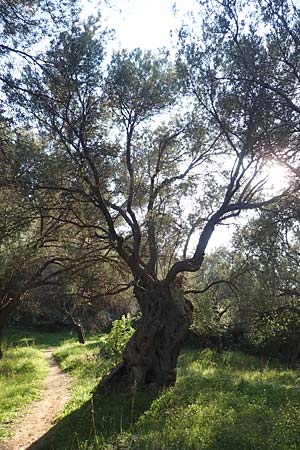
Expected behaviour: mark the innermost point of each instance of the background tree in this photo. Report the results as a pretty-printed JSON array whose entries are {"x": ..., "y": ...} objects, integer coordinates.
[
  {"x": 215, "y": 291},
  {"x": 271, "y": 305},
  {"x": 29, "y": 245},
  {"x": 269, "y": 60}
]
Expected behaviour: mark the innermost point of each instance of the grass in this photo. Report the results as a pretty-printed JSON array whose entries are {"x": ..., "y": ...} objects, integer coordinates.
[
  {"x": 228, "y": 401},
  {"x": 92, "y": 423},
  {"x": 22, "y": 372},
  {"x": 83, "y": 363},
  {"x": 39, "y": 339}
]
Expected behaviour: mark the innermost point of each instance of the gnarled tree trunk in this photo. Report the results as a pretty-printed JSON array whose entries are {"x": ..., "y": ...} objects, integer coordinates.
[{"x": 150, "y": 357}]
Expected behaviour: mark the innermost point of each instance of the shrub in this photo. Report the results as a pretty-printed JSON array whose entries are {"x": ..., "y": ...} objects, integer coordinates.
[{"x": 116, "y": 340}]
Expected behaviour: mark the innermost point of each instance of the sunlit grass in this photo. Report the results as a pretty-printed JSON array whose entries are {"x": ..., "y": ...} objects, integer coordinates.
[
  {"x": 83, "y": 362},
  {"x": 228, "y": 401},
  {"x": 93, "y": 423},
  {"x": 22, "y": 372},
  {"x": 39, "y": 339}
]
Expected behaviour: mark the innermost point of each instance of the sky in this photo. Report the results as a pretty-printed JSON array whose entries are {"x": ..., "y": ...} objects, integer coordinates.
[{"x": 147, "y": 24}]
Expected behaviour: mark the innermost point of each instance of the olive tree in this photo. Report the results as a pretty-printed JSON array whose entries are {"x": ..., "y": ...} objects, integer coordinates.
[{"x": 157, "y": 153}]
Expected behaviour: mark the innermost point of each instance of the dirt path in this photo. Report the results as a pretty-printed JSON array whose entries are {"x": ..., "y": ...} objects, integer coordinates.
[{"x": 31, "y": 427}]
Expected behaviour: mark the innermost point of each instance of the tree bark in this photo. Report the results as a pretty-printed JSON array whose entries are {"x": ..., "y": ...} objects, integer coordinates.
[
  {"x": 80, "y": 332},
  {"x": 7, "y": 306},
  {"x": 1, "y": 337},
  {"x": 77, "y": 327},
  {"x": 150, "y": 357}
]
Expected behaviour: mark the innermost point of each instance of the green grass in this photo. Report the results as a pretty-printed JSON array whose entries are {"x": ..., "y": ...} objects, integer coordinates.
[
  {"x": 39, "y": 339},
  {"x": 92, "y": 424},
  {"x": 22, "y": 372},
  {"x": 228, "y": 401},
  {"x": 83, "y": 363}
]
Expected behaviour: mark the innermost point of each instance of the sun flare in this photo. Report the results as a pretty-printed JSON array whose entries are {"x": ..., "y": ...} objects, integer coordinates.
[{"x": 278, "y": 177}]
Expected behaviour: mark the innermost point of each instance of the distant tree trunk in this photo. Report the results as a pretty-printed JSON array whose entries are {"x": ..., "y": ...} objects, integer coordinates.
[
  {"x": 1, "y": 337},
  {"x": 77, "y": 327},
  {"x": 80, "y": 332},
  {"x": 219, "y": 343},
  {"x": 150, "y": 357},
  {"x": 295, "y": 350},
  {"x": 7, "y": 306}
]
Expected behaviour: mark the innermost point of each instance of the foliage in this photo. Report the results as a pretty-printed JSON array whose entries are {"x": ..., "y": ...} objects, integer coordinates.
[
  {"x": 277, "y": 332},
  {"x": 268, "y": 301},
  {"x": 79, "y": 102},
  {"x": 252, "y": 301},
  {"x": 115, "y": 342},
  {"x": 212, "y": 292}
]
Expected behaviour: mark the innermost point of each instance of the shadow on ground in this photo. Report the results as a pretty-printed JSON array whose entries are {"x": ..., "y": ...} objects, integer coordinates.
[{"x": 97, "y": 422}]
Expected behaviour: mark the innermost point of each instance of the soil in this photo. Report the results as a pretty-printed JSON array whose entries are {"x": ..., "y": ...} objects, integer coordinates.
[{"x": 41, "y": 416}]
